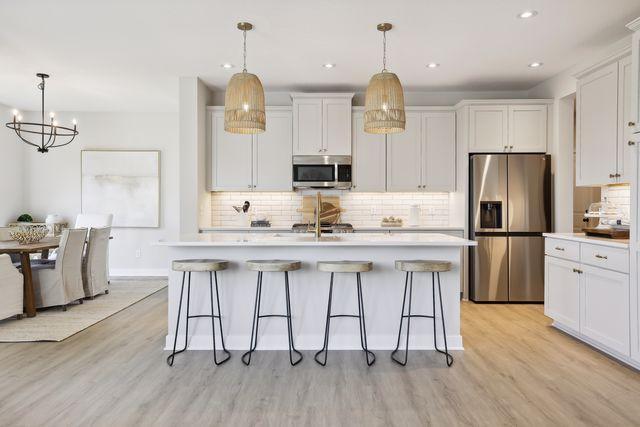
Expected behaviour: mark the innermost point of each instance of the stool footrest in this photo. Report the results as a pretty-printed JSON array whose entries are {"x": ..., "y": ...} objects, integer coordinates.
[
  {"x": 273, "y": 315},
  {"x": 191, "y": 316},
  {"x": 422, "y": 316},
  {"x": 344, "y": 315}
]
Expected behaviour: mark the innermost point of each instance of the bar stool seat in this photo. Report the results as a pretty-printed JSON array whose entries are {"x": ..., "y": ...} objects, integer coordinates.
[
  {"x": 199, "y": 265},
  {"x": 423, "y": 265},
  {"x": 273, "y": 265},
  {"x": 345, "y": 266},
  {"x": 211, "y": 266}
]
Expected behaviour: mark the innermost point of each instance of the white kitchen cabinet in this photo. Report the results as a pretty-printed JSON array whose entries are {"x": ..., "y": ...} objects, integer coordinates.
[
  {"x": 439, "y": 151},
  {"x": 259, "y": 162},
  {"x": 488, "y": 128},
  {"x": 604, "y": 307},
  {"x": 231, "y": 161},
  {"x": 404, "y": 156},
  {"x": 527, "y": 128},
  {"x": 634, "y": 120},
  {"x": 603, "y": 107},
  {"x": 589, "y": 295},
  {"x": 369, "y": 160},
  {"x": 322, "y": 124},
  {"x": 562, "y": 291},
  {"x": 272, "y": 167}
]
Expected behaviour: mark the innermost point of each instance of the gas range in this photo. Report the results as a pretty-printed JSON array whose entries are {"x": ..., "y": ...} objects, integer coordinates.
[{"x": 326, "y": 228}]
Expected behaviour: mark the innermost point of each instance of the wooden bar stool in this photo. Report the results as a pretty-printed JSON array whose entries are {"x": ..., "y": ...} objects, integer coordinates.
[
  {"x": 356, "y": 267},
  {"x": 262, "y": 266},
  {"x": 422, "y": 266},
  {"x": 211, "y": 266}
]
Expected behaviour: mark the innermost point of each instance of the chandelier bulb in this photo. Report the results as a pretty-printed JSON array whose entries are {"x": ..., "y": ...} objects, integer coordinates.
[
  {"x": 15, "y": 112},
  {"x": 19, "y": 117},
  {"x": 52, "y": 114},
  {"x": 74, "y": 122}
]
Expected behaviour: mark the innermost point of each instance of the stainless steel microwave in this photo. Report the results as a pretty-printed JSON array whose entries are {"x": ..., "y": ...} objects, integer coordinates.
[{"x": 322, "y": 172}]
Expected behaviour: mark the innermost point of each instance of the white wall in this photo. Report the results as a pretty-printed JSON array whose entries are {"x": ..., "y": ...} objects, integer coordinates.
[
  {"x": 53, "y": 182},
  {"x": 11, "y": 171}
]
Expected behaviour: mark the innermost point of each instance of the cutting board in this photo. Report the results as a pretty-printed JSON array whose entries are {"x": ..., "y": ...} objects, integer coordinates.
[
  {"x": 329, "y": 214},
  {"x": 611, "y": 233}
]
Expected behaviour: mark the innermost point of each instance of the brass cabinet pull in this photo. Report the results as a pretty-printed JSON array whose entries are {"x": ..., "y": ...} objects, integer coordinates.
[
  {"x": 612, "y": 175},
  {"x": 632, "y": 124},
  {"x": 575, "y": 270},
  {"x": 631, "y": 143},
  {"x": 601, "y": 256},
  {"x": 558, "y": 248}
]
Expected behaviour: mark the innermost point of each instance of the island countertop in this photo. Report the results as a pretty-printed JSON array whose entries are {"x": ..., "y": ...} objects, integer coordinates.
[{"x": 338, "y": 239}]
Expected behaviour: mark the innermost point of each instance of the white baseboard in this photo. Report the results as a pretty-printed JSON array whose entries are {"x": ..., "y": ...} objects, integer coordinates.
[
  {"x": 314, "y": 342},
  {"x": 139, "y": 272}
]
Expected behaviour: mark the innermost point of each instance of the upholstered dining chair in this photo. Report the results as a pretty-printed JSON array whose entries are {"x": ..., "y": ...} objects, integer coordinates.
[
  {"x": 59, "y": 283},
  {"x": 11, "y": 296},
  {"x": 88, "y": 220},
  {"x": 94, "y": 264},
  {"x": 5, "y": 235}
]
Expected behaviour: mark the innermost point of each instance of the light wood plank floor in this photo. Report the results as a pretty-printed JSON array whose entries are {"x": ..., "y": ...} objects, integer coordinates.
[{"x": 516, "y": 370}]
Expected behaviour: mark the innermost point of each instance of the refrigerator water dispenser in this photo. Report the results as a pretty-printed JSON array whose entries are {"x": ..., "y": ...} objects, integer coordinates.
[{"x": 491, "y": 215}]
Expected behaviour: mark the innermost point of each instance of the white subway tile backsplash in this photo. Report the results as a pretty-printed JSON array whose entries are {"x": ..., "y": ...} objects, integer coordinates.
[
  {"x": 360, "y": 209},
  {"x": 619, "y": 195}
]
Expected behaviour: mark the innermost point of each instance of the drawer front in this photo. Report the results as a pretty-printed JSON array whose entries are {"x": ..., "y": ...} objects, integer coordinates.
[
  {"x": 564, "y": 249},
  {"x": 601, "y": 256}
]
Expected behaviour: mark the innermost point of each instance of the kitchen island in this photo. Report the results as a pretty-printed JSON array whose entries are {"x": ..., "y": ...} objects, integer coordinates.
[{"x": 382, "y": 289}]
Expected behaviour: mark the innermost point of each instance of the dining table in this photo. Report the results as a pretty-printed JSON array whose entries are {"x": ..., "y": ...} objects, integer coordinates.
[{"x": 25, "y": 250}]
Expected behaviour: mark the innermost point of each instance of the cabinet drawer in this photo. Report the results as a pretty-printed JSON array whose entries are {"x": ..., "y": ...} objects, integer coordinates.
[
  {"x": 601, "y": 256},
  {"x": 562, "y": 249}
]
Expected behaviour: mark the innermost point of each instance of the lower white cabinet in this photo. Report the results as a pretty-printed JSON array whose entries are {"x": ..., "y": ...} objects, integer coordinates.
[
  {"x": 589, "y": 300},
  {"x": 604, "y": 307},
  {"x": 562, "y": 289}
]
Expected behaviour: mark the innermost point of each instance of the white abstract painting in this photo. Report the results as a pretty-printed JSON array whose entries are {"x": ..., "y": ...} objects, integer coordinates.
[{"x": 123, "y": 183}]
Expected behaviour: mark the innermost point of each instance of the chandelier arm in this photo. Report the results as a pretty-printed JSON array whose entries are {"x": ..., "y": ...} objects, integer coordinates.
[
  {"x": 49, "y": 139},
  {"x": 62, "y": 145},
  {"x": 23, "y": 124},
  {"x": 24, "y": 140}
]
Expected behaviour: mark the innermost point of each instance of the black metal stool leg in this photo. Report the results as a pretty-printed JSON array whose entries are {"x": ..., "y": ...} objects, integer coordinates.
[
  {"x": 363, "y": 326},
  {"x": 292, "y": 348},
  {"x": 246, "y": 357},
  {"x": 175, "y": 335},
  {"x": 402, "y": 316},
  {"x": 448, "y": 356},
  {"x": 325, "y": 347},
  {"x": 213, "y": 325}
]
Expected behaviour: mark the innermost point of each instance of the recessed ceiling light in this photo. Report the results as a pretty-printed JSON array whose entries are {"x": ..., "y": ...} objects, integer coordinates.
[
  {"x": 535, "y": 65},
  {"x": 527, "y": 14},
  {"x": 328, "y": 65},
  {"x": 227, "y": 66},
  {"x": 433, "y": 65}
]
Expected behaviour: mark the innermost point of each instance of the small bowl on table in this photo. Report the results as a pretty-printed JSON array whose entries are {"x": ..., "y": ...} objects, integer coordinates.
[{"x": 28, "y": 234}]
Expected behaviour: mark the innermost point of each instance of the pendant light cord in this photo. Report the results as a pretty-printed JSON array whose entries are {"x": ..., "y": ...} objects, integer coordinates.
[
  {"x": 384, "y": 51},
  {"x": 244, "y": 51}
]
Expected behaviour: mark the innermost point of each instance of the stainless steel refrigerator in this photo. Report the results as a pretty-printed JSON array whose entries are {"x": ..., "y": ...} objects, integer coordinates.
[{"x": 510, "y": 208}]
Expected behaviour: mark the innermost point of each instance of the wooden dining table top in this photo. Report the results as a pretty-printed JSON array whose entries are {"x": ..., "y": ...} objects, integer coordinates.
[{"x": 14, "y": 247}]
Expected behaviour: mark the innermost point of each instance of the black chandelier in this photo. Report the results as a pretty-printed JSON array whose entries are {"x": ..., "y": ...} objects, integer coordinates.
[{"x": 52, "y": 135}]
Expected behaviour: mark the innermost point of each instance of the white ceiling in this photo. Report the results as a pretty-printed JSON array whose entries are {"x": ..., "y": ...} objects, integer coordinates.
[{"x": 127, "y": 54}]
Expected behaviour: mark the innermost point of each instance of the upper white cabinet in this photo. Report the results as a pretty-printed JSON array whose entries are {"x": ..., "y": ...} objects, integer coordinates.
[
  {"x": 423, "y": 157},
  {"x": 260, "y": 162},
  {"x": 634, "y": 120},
  {"x": 603, "y": 111},
  {"x": 322, "y": 123},
  {"x": 518, "y": 128},
  {"x": 369, "y": 161}
]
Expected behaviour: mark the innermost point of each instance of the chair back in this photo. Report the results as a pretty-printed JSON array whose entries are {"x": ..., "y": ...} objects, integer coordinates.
[
  {"x": 84, "y": 220},
  {"x": 69, "y": 260},
  {"x": 96, "y": 269}
]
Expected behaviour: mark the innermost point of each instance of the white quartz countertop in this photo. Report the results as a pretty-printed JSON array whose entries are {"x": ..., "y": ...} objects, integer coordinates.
[
  {"x": 274, "y": 229},
  {"x": 583, "y": 238},
  {"x": 297, "y": 239}
]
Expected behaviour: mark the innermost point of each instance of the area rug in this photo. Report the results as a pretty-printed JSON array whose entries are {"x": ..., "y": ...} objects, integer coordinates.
[{"x": 57, "y": 325}]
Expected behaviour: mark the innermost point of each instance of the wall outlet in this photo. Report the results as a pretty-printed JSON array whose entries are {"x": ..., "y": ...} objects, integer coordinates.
[{"x": 138, "y": 253}]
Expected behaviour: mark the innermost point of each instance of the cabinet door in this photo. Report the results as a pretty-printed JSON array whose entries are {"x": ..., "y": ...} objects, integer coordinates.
[
  {"x": 625, "y": 132},
  {"x": 488, "y": 129},
  {"x": 562, "y": 292},
  {"x": 307, "y": 126},
  {"x": 597, "y": 127},
  {"x": 404, "y": 156},
  {"x": 439, "y": 151},
  {"x": 336, "y": 126},
  {"x": 527, "y": 128},
  {"x": 272, "y": 163},
  {"x": 635, "y": 308},
  {"x": 369, "y": 158},
  {"x": 635, "y": 83},
  {"x": 230, "y": 157},
  {"x": 604, "y": 307}
]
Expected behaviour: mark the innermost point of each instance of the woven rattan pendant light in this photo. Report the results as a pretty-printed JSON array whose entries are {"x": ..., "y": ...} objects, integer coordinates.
[
  {"x": 244, "y": 98},
  {"x": 384, "y": 100}
]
